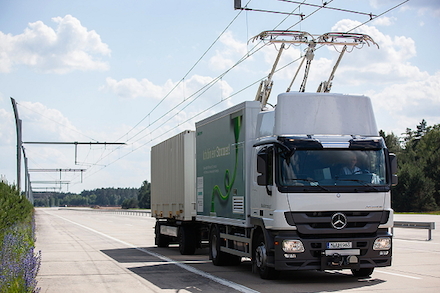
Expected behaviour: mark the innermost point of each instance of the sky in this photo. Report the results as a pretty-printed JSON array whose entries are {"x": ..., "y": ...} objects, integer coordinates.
[{"x": 139, "y": 72}]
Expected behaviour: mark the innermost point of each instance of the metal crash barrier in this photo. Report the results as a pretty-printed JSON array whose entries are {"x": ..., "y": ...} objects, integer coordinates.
[
  {"x": 415, "y": 225},
  {"x": 114, "y": 211}
]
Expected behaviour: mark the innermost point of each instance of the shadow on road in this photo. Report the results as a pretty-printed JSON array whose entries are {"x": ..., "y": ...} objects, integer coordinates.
[{"x": 165, "y": 275}]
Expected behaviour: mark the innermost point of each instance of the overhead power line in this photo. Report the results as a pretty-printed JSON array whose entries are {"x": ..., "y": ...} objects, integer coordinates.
[
  {"x": 197, "y": 95},
  {"x": 185, "y": 75},
  {"x": 379, "y": 15}
]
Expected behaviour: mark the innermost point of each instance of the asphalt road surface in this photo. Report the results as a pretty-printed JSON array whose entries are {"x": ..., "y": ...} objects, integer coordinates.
[{"x": 85, "y": 251}]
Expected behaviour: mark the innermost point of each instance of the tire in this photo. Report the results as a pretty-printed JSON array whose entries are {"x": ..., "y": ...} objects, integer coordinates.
[
  {"x": 187, "y": 240},
  {"x": 362, "y": 273},
  {"x": 159, "y": 239},
  {"x": 219, "y": 258},
  {"x": 260, "y": 260}
]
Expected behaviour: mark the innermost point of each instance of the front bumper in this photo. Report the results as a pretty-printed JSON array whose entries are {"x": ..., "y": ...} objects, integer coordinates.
[{"x": 317, "y": 256}]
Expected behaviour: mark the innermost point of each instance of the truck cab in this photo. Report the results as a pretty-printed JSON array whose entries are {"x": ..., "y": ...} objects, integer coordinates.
[{"x": 321, "y": 188}]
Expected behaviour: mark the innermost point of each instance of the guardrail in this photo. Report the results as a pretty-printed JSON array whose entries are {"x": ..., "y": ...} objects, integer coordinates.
[
  {"x": 114, "y": 211},
  {"x": 415, "y": 225}
]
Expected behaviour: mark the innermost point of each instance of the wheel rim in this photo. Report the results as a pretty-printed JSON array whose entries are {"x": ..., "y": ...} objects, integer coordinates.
[{"x": 260, "y": 256}]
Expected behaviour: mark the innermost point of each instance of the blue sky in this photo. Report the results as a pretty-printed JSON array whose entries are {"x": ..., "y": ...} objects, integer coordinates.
[{"x": 141, "y": 71}]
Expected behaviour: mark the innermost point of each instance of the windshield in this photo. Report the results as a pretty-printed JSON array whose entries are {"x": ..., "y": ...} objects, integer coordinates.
[{"x": 332, "y": 168}]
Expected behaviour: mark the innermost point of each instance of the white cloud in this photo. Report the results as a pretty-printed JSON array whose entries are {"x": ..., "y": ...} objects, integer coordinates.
[
  {"x": 131, "y": 88},
  {"x": 384, "y": 21},
  {"x": 7, "y": 128},
  {"x": 388, "y": 64},
  {"x": 229, "y": 54},
  {"x": 44, "y": 124},
  {"x": 69, "y": 47},
  {"x": 413, "y": 101},
  {"x": 422, "y": 6}
]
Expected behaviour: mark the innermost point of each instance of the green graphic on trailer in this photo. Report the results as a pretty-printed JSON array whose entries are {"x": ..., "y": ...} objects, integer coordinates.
[
  {"x": 228, "y": 184},
  {"x": 220, "y": 174}
]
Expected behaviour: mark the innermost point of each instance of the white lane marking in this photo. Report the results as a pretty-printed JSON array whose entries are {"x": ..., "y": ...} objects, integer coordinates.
[
  {"x": 399, "y": 275},
  {"x": 221, "y": 281}
]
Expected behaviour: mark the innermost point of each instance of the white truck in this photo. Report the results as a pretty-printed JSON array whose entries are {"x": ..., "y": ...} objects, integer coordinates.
[{"x": 303, "y": 186}]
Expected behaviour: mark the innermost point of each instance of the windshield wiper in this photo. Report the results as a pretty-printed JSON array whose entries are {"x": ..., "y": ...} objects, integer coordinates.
[{"x": 359, "y": 181}]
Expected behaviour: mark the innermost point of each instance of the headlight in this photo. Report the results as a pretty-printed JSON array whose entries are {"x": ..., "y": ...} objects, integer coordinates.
[
  {"x": 293, "y": 246},
  {"x": 382, "y": 243}
]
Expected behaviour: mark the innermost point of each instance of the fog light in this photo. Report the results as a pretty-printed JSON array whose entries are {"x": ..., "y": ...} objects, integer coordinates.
[
  {"x": 293, "y": 246},
  {"x": 382, "y": 243}
]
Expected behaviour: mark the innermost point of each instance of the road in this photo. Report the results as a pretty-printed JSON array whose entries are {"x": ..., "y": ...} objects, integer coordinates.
[{"x": 84, "y": 251}]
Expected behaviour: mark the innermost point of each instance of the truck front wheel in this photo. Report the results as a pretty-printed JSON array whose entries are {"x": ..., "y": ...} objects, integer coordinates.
[
  {"x": 218, "y": 257},
  {"x": 260, "y": 260}
]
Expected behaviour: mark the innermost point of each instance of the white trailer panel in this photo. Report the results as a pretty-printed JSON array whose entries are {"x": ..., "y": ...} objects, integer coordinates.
[{"x": 173, "y": 177}]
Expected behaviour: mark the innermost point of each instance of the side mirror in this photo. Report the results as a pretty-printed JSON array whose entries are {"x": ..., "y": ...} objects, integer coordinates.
[{"x": 393, "y": 165}]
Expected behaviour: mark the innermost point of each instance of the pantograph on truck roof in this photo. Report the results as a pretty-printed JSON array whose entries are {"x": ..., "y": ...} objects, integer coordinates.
[{"x": 283, "y": 37}]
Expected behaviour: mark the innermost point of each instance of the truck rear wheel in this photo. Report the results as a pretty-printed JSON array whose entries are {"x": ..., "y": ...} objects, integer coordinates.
[
  {"x": 362, "y": 273},
  {"x": 260, "y": 260},
  {"x": 187, "y": 240}
]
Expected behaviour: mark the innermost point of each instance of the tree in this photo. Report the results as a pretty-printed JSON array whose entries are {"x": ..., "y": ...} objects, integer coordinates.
[
  {"x": 415, "y": 192},
  {"x": 429, "y": 148},
  {"x": 392, "y": 142},
  {"x": 130, "y": 203},
  {"x": 144, "y": 195},
  {"x": 419, "y": 170}
]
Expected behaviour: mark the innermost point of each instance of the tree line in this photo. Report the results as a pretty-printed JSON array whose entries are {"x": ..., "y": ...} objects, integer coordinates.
[
  {"x": 103, "y": 197},
  {"x": 418, "y": 155}
]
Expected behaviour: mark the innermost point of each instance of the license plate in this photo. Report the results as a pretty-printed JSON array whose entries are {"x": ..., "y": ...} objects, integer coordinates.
[{"x": 339, "y": 245}]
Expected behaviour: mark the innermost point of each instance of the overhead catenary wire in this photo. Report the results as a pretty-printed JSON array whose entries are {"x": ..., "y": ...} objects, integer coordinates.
[
  {"x": 206, "y": 87},
  {"x": 167, "y": 95},
  {"x": 379, "y": 15},
  {"x": 192, "y": 98},
  {"x": 248, "y": 54},
  {"x": 173, "y": 128},
  {"x": 187, "y": 73}
]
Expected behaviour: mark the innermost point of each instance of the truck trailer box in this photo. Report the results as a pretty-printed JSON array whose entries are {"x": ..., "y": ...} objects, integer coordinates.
[
  {"x": 223, "y": 154},
  {"x": 173, "y": 177}
]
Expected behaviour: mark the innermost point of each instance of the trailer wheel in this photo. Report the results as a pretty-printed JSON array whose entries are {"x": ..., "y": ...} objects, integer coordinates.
[
  {"x": 187, "y": 240},
  {"x": 362, "y": 273},
  {"x": 260, "y": 260},
  {"x": 159, "y": 239}
]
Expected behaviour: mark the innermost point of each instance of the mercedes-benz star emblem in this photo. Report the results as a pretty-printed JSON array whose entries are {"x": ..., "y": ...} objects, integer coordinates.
[{"x": 339, "y": 221}]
